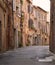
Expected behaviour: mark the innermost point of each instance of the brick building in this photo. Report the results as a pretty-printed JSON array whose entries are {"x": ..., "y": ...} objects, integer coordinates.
[
  {"x": 27, "y": 22},
  {"x": 36, "y": 34},
  {"x": 22, "y": 24},
  {"x": 40, "y": 23},
  {"x": 34, "y": 25},
  {"x": 31, "y": 29}
]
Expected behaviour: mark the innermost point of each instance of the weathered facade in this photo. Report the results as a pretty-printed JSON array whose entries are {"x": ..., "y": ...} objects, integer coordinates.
[
  {"x": 52, "y": 27},
  {"x": 22, "y": 25},
  {"x": 25, "y": 20},
  {"x": 42, "y": 19},
  {"x": 10, "y": 26},
  {"x": 34, "y": 25},
  {"x": 48, "y": 31},
  {"x": 6, "y": 26},
  {"x": 31, "y": 29},
  {"x": 26, "y": 10},
  {"x": 37, "y": 32},
  {"x": 40, "y": 23},
  {"x": 16, "y": 19}
]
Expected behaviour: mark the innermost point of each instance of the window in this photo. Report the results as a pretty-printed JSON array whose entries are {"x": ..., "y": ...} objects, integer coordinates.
[
  {"x": 4, "y": 20},
  {"x": 21, "y": 1},
  {"x": 30, "y": 23},
  {"x": 30, "y": 8},
  {"x": 39, "y": 24},
  {"x": 14, "y": 5},
  {"x": 18, "y": 9},
  {"x": 35, "y": 13},
  {"x": 45, "y": 17}
]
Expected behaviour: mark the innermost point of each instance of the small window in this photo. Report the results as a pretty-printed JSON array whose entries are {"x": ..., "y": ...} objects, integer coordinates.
[{"x": 4, "y": 20}]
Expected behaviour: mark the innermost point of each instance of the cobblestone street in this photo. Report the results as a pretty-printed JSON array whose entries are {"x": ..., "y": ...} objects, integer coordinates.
[{"x": 25, "y": 56}]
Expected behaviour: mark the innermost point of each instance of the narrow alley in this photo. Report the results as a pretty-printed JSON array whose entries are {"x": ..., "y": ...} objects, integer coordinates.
[{"x": 27, "y": 32}]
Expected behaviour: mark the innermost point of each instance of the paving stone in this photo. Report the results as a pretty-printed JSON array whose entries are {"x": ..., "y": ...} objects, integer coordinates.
[{"x": 25, "y": 56}]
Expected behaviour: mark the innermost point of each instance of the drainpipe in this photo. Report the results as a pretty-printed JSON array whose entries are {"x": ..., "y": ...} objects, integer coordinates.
[
  {"x": 21, "y": 25},
  {"x": 13, "y": 24}
]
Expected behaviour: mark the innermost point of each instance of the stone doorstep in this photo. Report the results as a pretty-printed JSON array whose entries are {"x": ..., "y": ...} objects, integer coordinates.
[
  {"x": 47, "y": 59},
  {"x": 53, "y": 55},
  {"x": 7, "y": 52}
]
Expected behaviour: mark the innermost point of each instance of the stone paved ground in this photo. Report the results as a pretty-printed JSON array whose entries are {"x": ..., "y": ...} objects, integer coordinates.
[{"x": 25, "y": 56}]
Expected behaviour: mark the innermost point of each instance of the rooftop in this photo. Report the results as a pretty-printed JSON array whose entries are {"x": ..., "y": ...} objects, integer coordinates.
[{"x": 40, "y": 8}]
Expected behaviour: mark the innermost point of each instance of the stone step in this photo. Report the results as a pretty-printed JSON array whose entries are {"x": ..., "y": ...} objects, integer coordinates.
[{"x": 47, "y": 59}]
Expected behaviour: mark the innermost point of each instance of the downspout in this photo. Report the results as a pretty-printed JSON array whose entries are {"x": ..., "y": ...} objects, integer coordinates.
[
  {"x": 13, "y": 25},
  {"x": 21, "y": 24}
]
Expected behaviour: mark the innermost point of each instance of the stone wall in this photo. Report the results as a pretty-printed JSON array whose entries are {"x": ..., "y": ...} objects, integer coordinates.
[{"x": 52, "y": 27}]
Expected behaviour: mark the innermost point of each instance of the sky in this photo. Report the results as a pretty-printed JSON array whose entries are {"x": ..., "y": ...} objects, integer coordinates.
[{"x": 45, "y": 4}]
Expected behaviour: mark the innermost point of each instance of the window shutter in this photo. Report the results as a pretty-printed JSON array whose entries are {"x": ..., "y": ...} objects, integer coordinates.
[
  {"x": 14, "y": 5},
  {"x": 28, "y": 8}
]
